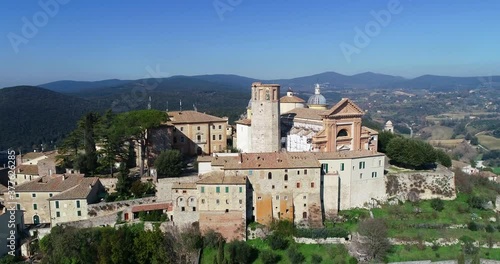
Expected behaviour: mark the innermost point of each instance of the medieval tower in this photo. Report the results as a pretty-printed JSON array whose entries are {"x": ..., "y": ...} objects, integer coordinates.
[{"x": 265, "y": 118}]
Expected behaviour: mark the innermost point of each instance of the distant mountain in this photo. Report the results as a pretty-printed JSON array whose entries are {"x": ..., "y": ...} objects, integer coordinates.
[
  {"x": 230, "y": 79},
  {"x": 333, "y": 79},
  {"x": 77, "y": 86},
  {"x": 33, "y": 115},
  {"x": 435, "y": 82}
]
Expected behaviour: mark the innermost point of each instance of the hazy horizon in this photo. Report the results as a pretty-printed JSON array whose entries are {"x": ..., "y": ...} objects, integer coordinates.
[{"x": 89, "y": 41}]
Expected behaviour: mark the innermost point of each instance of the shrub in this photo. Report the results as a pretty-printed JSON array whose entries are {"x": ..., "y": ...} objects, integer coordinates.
[
  {"x": 269, "y": 257},
  {"x": 211, "y": 239},
  {"x": 316, "y": 259},
  {"x": 283, "y": 228},
  {"x": 473, "y": 226},
  {"x": 295, "y": 256},
  {"x": 490, "y": 229},
  {"x": 277, "y": 242},
  {"x": 241, "y": 252},
  {"x": 476, "y": 202},
  {"x": 461, "y": 208},
  {"x": 437, "y": 204}
]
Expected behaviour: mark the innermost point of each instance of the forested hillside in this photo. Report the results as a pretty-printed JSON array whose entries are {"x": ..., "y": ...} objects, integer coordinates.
[{"x": 30, "y": 116}]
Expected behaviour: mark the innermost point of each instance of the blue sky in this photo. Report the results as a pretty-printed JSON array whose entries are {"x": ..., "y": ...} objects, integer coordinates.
[{"x": 94, "y": 40}]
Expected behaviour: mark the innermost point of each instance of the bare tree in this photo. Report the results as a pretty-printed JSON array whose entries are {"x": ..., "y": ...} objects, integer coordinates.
[{"x": 372, "y": 242}]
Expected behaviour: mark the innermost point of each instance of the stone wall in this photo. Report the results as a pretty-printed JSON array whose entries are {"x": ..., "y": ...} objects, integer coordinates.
[
  {"x": 328, "y": 240},
  {"x": 425, "y": 184},
  {"x": 231, "y": 225},
  {"x": 101, "y": 209},
  {"x": 164, "y": 186},
  {"x": 105, "y": 220}
]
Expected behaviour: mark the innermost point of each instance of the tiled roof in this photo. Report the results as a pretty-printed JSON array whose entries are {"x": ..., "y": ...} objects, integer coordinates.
[
  {"x": 246, "y": 122},
  {"x": 335, "y": 110},
  {"x": 369, "y": 130},
  {"x": 184, "y": 185},
  {"x": 219, "y": 177},
  {"x": 3, "y": 189},
  {"x": 204, "y": 158},
  {"x": 152, "y": 207},
  {"x": 32, "y": 155},
  {"x": 54, "y": 183},
  {"x": 272, "y": 160},
  {"x": 291, "y": 99},
  {"x": 306, "y": 113},
  {"x": 80, "y": 191},
  {"x": 178, "y": 117},
  {"x": 345, "y": 154},
  {"x": 27, "y": 169}
]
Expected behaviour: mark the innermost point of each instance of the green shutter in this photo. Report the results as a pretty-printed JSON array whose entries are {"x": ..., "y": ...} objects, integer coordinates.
[
  {"x": 341, "y": 166},
  {"x": 227, "y": 189},
  {"x": 241, "y": 189},
  {"x": 35, "y": 206},
  {"x": 202, "y": 189},
  {"x": 57, "y": 204},
  {"x": 217, "y": 189}
]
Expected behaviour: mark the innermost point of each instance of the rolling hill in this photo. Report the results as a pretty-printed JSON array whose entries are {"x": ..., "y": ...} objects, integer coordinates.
[
  {"x": 76, "y": 86},
  {"x": 32, "y": 115}
]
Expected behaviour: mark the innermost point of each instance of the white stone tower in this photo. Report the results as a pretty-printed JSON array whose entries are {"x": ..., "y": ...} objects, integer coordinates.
[
  {"x": 265, "y": 118},
  {"x": 389, "y": 127}
]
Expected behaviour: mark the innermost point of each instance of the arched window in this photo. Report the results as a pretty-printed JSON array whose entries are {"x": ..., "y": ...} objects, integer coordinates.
[
  {"x": 342, "y": 133},
  {"x": 269, "y": 175},
  {"x": 286, "y": 177}
]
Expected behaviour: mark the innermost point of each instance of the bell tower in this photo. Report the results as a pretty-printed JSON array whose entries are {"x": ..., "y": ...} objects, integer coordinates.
[{"x": 265, "y": 107}]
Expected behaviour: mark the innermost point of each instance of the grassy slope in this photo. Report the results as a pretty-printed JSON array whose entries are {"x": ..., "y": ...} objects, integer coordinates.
[{"x": 489, "y": 141}]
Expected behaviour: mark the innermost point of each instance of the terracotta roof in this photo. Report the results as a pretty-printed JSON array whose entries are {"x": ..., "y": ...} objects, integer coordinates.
[
  {"x": 345, "y": 154},
  {"x": 219, "y": 177},
  {"x": 291, "y": 99},
  {"x": 272, "y": 160},
  {"x": 204, "y": 158},
  {"x": 152, "y": 207},
  {"x": 32, "y": 155},
  {"x": 306, "y": 113},
  {"x": 246, "y": 122},
  {"x": 178, "y": 117},
  {"x": 336, "y": 109},
  {"x": 369, "y": 130},
  {"x": 54, "y": 183},
  {"x": 3, "y": 189},
  {"x": 27, "y": 169},
  {"x": 184, "y": 185},
  {"x": 80, "y": 191}
]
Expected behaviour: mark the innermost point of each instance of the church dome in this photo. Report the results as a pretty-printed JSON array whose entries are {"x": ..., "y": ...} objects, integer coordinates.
[{"x": 317, "y": 98}]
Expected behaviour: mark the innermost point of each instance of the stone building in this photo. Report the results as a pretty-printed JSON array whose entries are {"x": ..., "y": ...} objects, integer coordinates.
[
  {"x": 197, "y": 133},
  {"x": 72, "y": 204},
  {"x": 222, "y": 204},
  {"x": 389, "y": 126},
  {"x": 290, "y": 101},
  {"x": 265, "y": 134},
  {"x": 336, "y": 129},
  {"x": 33, "y": 165},
  {"x": 33, "y": 197}
]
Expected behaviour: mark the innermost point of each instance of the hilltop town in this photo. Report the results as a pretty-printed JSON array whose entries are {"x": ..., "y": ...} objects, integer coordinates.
[{"x": 286, "y": 160}]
